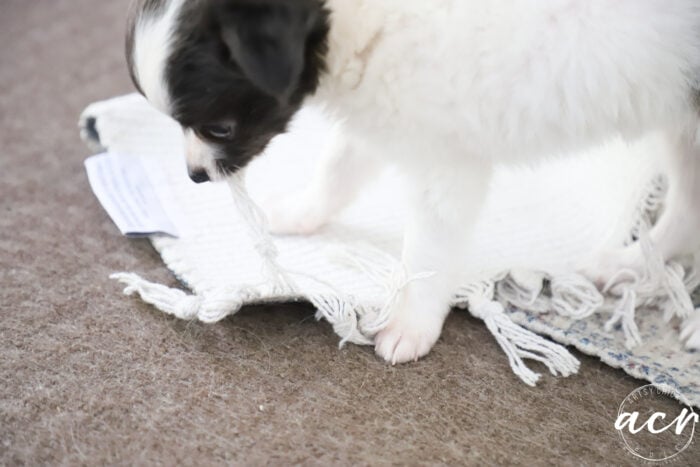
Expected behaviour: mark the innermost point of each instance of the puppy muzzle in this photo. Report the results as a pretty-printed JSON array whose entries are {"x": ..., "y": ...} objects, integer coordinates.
[
  {"x": 200, "y": 163},
  {"x": 199, "y": 175}
]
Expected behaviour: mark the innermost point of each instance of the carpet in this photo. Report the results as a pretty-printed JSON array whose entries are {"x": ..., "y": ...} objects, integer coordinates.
[{"x": 88, "y": 377}]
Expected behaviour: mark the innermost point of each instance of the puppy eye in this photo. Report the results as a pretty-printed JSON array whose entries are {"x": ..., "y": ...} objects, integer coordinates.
[{"x": 218, "y": 131}]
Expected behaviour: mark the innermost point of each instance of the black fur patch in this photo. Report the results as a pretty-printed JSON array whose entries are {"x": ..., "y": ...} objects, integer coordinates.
[{"x": 237, "y": 61}]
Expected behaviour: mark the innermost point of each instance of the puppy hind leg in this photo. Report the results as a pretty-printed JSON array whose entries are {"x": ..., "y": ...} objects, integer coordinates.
[
  {"x": 436, "y": 240},
  {"x": 678, "y": 229},
  {"x": 675, "y": 232},
  {"x": 341, "y": 173}
]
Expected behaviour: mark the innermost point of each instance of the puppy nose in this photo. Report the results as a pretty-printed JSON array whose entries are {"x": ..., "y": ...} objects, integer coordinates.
[{"x": 199, "y": 176}]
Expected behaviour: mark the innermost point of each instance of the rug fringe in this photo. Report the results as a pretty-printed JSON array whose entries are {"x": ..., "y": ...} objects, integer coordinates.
[
  {"x": 664, "y": 285},
  {"x": 570, "y": 295},
  {"x": 208, "y": 309},
  {"x": 517, "y": 342}
]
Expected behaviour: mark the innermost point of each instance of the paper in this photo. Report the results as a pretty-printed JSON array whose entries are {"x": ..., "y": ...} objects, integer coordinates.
[{"x": 124, "y": 189}]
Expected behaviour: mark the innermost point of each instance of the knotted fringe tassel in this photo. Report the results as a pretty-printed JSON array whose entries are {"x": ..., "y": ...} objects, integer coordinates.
[
  {"x": 517, "y": 342},
  {"x": 258, "y": 231},
  {"x": 574, "y": 296},
  {"x": 661, "y": 285},
  {"x": 625, "y": 309},
  {"x": 385, "y": 272},
  {"x": 342, "y": 314},
  {"x": 524, "y": 290},
  {"x": 209, "y": 308},
  {"x": 569, "y": 295},
  {"x": 666, "y": 278}
]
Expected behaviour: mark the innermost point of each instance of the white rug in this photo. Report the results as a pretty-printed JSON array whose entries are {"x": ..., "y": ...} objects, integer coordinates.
[{"x": 539, "y": 226}]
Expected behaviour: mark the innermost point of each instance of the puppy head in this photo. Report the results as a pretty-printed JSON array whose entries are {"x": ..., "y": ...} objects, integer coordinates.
[{"x": 231, "y": 72}]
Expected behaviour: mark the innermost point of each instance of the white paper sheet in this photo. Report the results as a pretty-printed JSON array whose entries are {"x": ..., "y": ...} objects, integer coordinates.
[{"x": 123, "y": 187}]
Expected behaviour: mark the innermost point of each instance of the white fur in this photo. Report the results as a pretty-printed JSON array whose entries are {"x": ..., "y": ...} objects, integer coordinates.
[
  {"x": 509, "y": 79},
  {"x": 152, "y": 46},
  {"x": 198, "y": 154},
  {"x": 448, "y": 88}
]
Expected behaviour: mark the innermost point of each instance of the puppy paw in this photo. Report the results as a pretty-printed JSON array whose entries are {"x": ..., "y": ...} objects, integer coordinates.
[
  {"x": 292, "y": 215},
  {"x": 408, "y": 336},
  {"x": 690, "y": 332},
  {"x": 609, "y": 265}
]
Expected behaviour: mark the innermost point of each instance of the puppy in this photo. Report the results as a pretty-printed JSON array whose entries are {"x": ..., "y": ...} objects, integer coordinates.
[{"x": 441, "y": 89}]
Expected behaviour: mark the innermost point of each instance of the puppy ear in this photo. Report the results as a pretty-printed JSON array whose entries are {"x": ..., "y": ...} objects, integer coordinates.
[{"x": 267, "y": 39}]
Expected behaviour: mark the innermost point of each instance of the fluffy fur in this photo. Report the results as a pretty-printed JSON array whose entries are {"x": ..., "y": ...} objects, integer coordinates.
[{"x": 444, "y": 90}]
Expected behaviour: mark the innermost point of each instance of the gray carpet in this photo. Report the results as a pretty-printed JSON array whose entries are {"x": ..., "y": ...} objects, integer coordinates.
[{"x": 89, "y": 377}]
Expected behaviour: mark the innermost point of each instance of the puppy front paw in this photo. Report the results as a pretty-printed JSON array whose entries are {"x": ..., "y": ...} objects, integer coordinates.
[
  {"x": 292, "y": 214},
  {"x": 410, "y": 335}
]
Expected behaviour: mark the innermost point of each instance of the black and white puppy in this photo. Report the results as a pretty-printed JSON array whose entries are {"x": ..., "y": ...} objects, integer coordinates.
[{"x": 442, "y": 89}]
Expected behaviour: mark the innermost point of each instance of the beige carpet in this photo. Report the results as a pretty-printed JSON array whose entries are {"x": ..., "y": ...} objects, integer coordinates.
[{"x": 89, "y": 377}]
